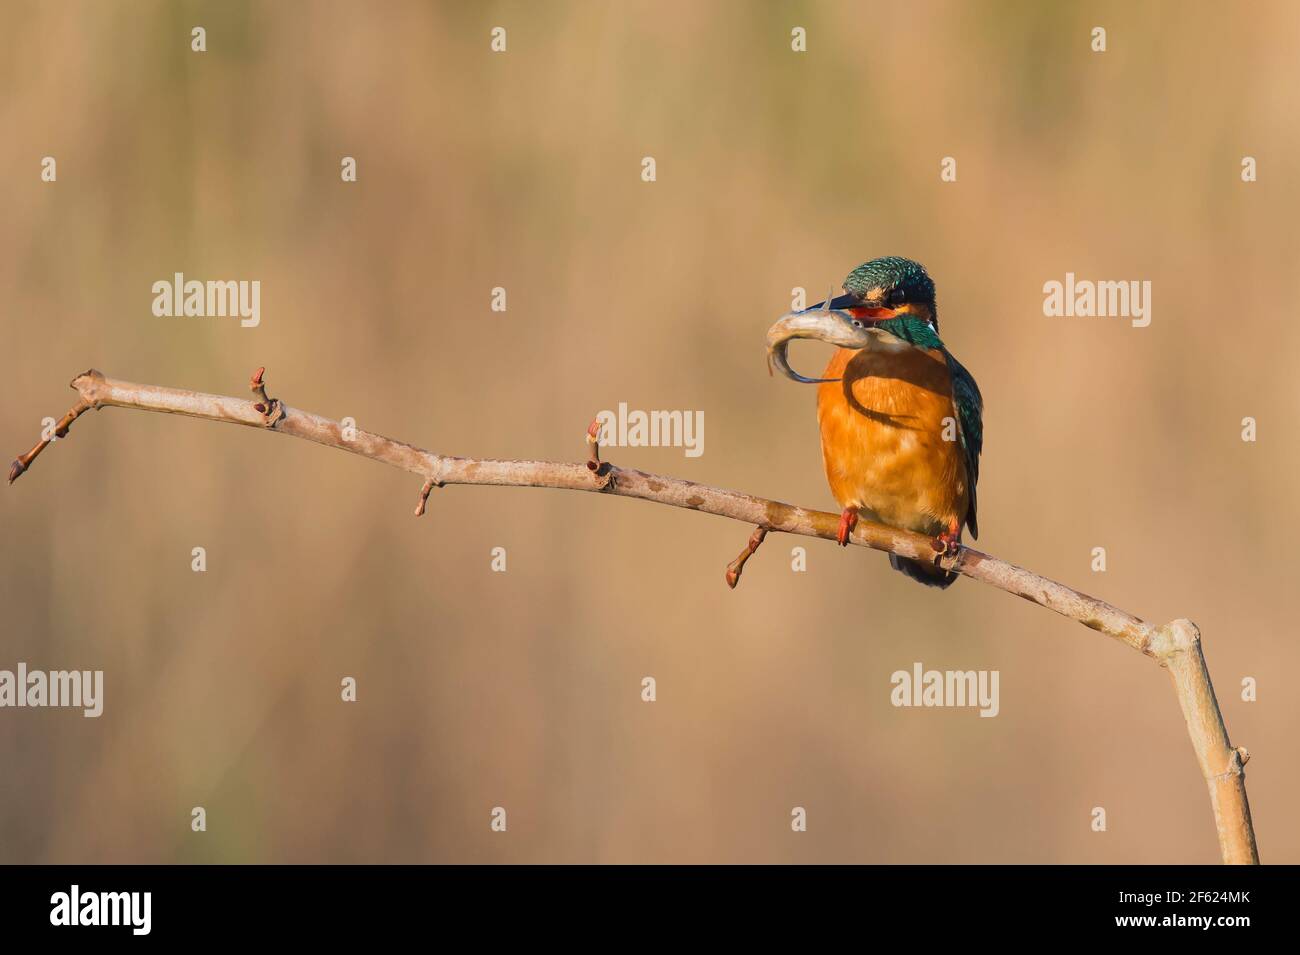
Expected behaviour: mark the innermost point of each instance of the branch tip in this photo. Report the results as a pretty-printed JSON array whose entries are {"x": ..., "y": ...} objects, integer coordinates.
[
  {"x": 735, "y": 568},
  {"x": 257, "y": 386},
  {"x": 24, "y": 461},
  {"x": 601, "y": 469},
  {"x": 271, "y": 409},
  {"x": 593, "y": 441},
  {"x": 94, "y": 374},
  {"x": 425, "y": 491}
]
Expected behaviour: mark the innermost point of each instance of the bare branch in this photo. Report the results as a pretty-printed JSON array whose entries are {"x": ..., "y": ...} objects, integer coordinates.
[{"x": 1176, "y": 646}]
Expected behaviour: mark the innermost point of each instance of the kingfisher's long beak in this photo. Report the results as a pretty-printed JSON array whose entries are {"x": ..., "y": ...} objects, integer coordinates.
[
  {"x": 824, "y": 325},
  {"x": 842, "y": 302}
]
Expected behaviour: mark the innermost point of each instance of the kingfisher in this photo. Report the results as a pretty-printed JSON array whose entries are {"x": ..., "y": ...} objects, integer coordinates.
[{"x": 901, "y": 418}]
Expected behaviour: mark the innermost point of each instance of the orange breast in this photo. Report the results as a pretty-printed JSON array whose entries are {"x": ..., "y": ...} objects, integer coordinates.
[{"x": 889, "y": 441}]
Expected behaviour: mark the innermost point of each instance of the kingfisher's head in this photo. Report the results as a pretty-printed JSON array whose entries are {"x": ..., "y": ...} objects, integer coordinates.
[{"x": 889, "y": 287}]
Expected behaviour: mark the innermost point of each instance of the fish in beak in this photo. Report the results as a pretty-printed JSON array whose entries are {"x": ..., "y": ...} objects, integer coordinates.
[{"x": 826, "y": 323}]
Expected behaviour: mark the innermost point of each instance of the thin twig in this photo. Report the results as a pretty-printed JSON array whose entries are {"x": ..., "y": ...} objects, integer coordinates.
[
  {"x": 424, "y": 497},
  {"x": 602, "y": 470},
  {"x": 1176, "y": 646},
  {"x": 735, "y": 568},
  {"x": 24, "y": 461}
]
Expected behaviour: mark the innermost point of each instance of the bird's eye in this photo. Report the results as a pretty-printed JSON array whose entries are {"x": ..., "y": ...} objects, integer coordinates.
[{"x": 896, "y": 298}]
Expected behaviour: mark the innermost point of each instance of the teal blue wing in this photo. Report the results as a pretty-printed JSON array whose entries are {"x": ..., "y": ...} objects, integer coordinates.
[
  {"x": 970, "y": 428},
  {"x": 966, "y": 399}
]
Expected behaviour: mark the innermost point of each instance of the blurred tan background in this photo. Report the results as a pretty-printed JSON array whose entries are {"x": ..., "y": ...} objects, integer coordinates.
[{"x": 775, "y": 170}]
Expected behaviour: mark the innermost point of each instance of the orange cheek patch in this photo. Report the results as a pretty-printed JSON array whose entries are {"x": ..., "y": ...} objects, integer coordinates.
[{"x": 876, "y": 314}]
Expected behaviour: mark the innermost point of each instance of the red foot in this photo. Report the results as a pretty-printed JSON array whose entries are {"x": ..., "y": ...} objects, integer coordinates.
[
  {"x": 848, "y": 521},
  {"x": 949, "y": 542}
]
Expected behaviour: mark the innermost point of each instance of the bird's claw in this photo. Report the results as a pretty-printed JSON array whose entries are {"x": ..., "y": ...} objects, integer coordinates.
[
  {"x": 946, "y": 544},
  {"x": 848, "y": 521}
]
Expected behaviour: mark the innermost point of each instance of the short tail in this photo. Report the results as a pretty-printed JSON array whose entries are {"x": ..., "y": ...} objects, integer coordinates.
[{"x": 919, "y": 570}]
